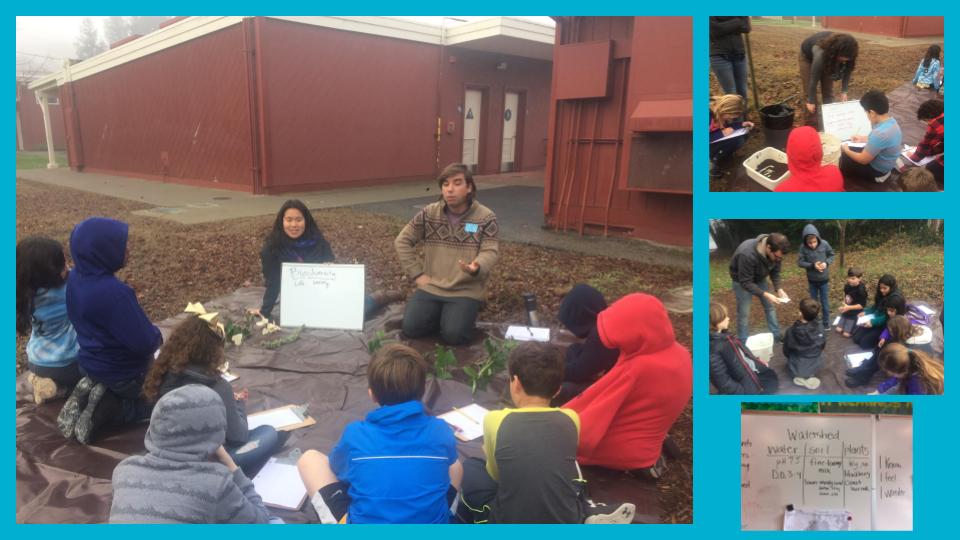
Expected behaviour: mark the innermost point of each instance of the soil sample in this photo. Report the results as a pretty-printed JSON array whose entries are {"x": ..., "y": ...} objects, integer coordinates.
[{"x": 772, "y": 169}]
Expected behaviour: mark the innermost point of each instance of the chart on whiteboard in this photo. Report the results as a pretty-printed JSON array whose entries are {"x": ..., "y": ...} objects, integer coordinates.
[{"x": 327, "y": 296}]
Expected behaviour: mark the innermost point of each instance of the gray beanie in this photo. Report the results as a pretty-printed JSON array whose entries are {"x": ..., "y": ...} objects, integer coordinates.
[{"x": 187, "y": 424}]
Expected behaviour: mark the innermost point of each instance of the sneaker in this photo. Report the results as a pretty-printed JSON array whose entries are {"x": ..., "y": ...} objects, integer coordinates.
[
  {"x": 44, "y": 389},
  {"x": 882, "y": 179},
  {"x": 603, "y": 514},
  {"x": 70, "y": 413},
  {"x": 811, "y": 383},
  {"x": 86, "y": 424}
]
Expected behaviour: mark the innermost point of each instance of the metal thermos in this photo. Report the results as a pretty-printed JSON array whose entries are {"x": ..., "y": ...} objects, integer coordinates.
[{"x": 530, "y": 303}]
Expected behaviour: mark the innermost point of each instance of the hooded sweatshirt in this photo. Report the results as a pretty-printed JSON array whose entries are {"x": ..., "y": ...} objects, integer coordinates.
[
  {"x": 237, "y": 432},
  {"x": 176, "y": 481},
  {"x": 578, "y": 312},
  {"x": 803, "y": 345},
  {"x": 733, "y": 367},
  {"x": 117, "y": 340},
  {"x": 804, "y": 155},
  {"x": 808, "y": 257},
  {"x": 397, "y": 465},
  {"x": 625, "y": 416},
  {"x": 750, "y": 265}
]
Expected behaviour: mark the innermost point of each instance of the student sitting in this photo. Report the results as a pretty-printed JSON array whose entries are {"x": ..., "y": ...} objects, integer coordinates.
[
  {"x": 194, "y": 355},
  {"x": 887, "y": 305},
  {"x": 586, "y": 360},
  {"x": 625, "y": 416},
  {"x": 42, "y": 312},
  {"x": 726, "y": 116},
  {"x": 399, "y": 465},
  {"x": 186, "y": 476},
  {"x": 531, "y": 473},
  {"x": 803, "y": 345},
  {"x": 928, "y": 71},
  {"x": 804, "y": 154},
  {"x": 931, "y": 112},
  {"x": 117, "y": 340},
  {"x": 912, "y": 372},
  {"x": 854, "y": 301},
  {"x": 734, "y": 369},
  {"x": 879, "y": 156}
]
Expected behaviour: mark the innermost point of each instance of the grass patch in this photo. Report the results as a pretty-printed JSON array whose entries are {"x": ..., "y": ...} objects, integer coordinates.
[{"x": 37, "y": 160}]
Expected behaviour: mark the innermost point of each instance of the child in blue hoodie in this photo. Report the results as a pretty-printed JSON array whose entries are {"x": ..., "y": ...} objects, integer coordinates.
[
  {"x": 398, "y": 465},
  {"x": 117, "y": 340},
  {"x": 815, "y": 257}
]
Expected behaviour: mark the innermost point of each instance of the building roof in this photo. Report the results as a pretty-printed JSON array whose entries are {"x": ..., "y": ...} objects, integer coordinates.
[{"x": 503, "y": 35}]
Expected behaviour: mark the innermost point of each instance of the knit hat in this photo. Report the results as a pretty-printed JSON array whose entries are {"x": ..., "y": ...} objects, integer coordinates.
[{"x": 187, "y": 424}]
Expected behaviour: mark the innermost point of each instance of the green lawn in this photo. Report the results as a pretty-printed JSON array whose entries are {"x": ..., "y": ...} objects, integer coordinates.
[{"x": 38, "y": 160}]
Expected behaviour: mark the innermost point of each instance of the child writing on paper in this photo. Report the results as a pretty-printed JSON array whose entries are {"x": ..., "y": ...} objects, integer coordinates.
[
  {"x": 854, "y": 301},
  {"x": 194, "y": 355},
  {"x": 726, "y": 116},
  {"x": 875, "y": 161},
  {"x": 42, "y": 312},
  {"x": 803, "y": 345},
  {"x": 398, "y": 465},
  {"x": 186, "y": 476},
  {"x": 734, "y": 369},
  {"x": 531, "y": 473},
  {"x": 912, "y": 372},
  {"x": 931, "y": 112}
]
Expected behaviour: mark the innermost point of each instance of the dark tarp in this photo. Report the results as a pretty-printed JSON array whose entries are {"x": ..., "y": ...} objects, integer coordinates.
[
  {"x": 60, "y": 481},
  {"x": 904, "y": 101}
]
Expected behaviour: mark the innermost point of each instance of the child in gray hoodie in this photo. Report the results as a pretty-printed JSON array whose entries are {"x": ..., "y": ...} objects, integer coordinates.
[
  {"x": 187, "y": 476},
  {"x": 815, "y": 257}
]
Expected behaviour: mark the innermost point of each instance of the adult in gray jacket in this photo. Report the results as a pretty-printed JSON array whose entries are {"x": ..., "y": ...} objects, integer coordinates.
[
  {"x": 815, "y": 257},
  {"x": 186, "y": 476},
  {"x": 753, "y": 262},
  {"x": 826, "y": 57}
]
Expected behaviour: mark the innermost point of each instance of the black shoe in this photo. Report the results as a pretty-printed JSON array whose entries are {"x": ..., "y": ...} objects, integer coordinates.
[{"x": 76, "y": 403}]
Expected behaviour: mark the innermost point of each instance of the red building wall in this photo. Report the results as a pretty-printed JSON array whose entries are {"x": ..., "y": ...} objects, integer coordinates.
[
  {"x": 181, "y": 114},
  {"x": 907, "y": 26},
  {"x": 592, "y": 138},
  {"x": 31, "y": 122}
]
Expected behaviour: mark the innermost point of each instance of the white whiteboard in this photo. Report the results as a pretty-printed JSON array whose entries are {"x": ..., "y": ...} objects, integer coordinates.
[
  {"x": 894, "y": 474},
  {"x": 322, "y": 296},
  {"x": 845, "y": 119},
  {"x": 824, "y": 462}
]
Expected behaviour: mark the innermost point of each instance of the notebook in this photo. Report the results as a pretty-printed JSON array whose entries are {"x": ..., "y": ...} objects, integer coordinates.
[{"x": 280, "y": 486}]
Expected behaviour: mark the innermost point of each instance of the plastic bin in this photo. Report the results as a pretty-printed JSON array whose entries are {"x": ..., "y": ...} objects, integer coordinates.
[
  {"x": 761, "y": 345},
  {"x": 776, "y": 121},
  {"x": 752, "y": 162}
]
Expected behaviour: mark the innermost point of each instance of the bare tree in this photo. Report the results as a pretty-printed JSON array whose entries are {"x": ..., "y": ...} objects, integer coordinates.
[{"x": 88, "y": 43}]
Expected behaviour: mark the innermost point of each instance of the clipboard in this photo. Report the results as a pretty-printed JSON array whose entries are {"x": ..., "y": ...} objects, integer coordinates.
[{"x": 286, "y": 418}]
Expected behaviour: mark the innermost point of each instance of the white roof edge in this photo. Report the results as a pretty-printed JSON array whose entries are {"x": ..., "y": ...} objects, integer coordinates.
[
  {"x": 158, "y": 40},
  {"x": 194, "y": 27}
]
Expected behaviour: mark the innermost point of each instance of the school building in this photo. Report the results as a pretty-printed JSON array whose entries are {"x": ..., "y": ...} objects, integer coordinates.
[
  {"x": 31, "y": 135},
  {"x": 282, "y": 104},
  {"x": 619, "y": 160}
]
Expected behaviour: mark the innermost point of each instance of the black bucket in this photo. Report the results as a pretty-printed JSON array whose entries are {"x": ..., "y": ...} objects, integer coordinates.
[{"x": 777, "y": 121}]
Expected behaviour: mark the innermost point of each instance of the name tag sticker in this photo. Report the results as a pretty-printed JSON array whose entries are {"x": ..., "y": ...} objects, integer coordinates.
[{"x": 471, "y": 227}]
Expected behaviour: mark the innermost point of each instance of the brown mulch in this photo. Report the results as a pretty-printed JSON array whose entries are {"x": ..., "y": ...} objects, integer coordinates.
[{"x": 171, "y": 264}]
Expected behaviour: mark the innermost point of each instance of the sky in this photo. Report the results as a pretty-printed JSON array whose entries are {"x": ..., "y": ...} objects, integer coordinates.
[{"x": 43, "y": 43}]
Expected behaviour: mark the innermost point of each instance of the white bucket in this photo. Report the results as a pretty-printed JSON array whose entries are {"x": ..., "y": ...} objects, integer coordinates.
[
  {"x": 752, "y": 162},
  {"x": 761, "y": 345},
  {"x": 831, "y": 149}
]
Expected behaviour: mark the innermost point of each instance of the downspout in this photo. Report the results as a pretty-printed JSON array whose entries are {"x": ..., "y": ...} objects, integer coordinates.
[{"x": 250, "y": 59}]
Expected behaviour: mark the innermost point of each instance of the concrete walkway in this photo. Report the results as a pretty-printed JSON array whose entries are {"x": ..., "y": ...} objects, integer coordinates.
[{"x": 517, "y": 198}]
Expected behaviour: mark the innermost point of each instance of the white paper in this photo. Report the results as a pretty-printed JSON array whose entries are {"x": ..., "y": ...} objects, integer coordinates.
[
  {"x": 862, "y": 321},
  {"x": 926, "y": 310},
  {"x": 736, "y": 133},
  {"x": 229, "y": 377},
  {"x": 322, "y": 296},
  {"x": 845, "y": 119},
  {"x": 527, "y": 333},
  {"x": 836, "y": 321},
  {"x": 277, "y": 418},
  {"x": 909, "y": 150},
  {"x": 817, "y": 520},
  {"x": 467, "y": 422},
  {"x": 852, "y": 144},
  {"x": 855, "y": 359},
  {"x": 279, "y": 484}
]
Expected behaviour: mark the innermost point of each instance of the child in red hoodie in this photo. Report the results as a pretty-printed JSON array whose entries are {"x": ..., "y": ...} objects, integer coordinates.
[
  {"x": 804, "y": 154},
  {"x": 625, "y": 416}
]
